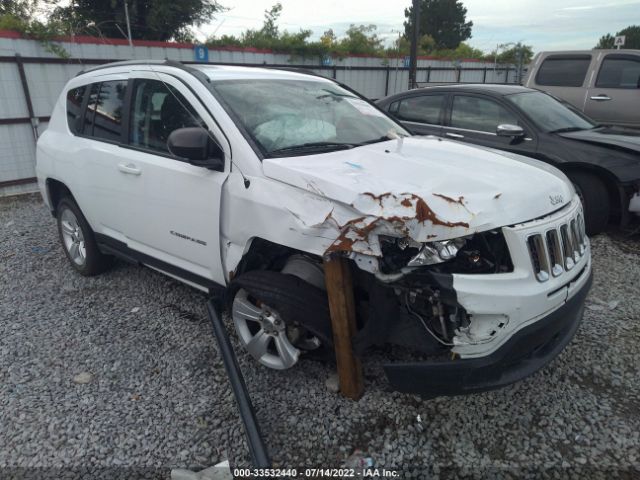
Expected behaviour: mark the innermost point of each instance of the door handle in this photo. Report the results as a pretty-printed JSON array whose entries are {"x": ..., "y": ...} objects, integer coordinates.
[
  {"x": 454, "y": 135},
  {"x": 129, "y": 168},
  {"x": 601, "y": 98}
]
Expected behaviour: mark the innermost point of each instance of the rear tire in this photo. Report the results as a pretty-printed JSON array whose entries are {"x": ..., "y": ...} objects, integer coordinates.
[
  {"x": 78, "y": 241},
  {"x": 595, "y": 201}
]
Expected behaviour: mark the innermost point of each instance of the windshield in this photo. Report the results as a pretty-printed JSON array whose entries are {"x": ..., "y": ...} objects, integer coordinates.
[
  {"x": 549, "y": 114},
  {"x": 298, "y": 117}
]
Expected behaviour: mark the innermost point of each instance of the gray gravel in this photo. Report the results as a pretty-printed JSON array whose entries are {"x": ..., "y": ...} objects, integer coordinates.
[{"x": 120, "y": 371}]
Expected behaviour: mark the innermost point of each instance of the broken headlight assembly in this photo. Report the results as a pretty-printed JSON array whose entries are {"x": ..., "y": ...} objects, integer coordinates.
[{"x": 485, "y": 252}]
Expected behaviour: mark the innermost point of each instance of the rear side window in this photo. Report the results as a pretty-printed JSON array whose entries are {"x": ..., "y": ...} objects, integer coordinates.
[
  {"x": 109, "y": 106},
  {"x": 563, "y": 71},
  {"x": 422, "y": 109},
  {"x": 480, "y": 114},
  {"x": 157, "y": 110},
  {"x": 619, "y": 71},
  {"x": 75, "y": 97},
  {"x": 89, "y": 114}
]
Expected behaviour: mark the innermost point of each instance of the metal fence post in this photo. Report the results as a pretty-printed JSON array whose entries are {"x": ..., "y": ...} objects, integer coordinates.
[
  {"x": 484, "y": 75},
  {"x": 27, "y": 96},
  {"x": 386, "y": 82}
]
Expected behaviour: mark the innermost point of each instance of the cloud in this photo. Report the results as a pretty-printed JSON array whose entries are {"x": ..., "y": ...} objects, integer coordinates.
[{"x": 577, "y": 24}]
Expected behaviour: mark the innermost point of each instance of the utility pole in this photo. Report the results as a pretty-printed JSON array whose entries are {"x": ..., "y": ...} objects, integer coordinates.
[
  {"x": 415, "y": 37},
  {"x": 126, "y": 16}
]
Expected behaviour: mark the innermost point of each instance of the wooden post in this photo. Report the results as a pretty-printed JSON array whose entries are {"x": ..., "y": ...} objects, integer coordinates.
[{"x": 337, "y": 274}]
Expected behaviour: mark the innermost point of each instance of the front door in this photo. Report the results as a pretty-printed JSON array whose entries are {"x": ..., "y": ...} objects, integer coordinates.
[
  {"x": 614, "y": 98},
  {"x": 174, "y": 207}
]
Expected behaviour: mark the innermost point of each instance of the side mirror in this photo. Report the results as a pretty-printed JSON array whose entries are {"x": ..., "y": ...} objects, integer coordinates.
[
  {"x": 507, "y": 130},
  {"x": 195, "y": 145}
]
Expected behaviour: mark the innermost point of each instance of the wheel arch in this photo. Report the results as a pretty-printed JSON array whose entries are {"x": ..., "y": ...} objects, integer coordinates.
[
  {"x": 56, "y": 191},
  {"x": 610, "y": 181},
  {"x": 262, "y": 254}
]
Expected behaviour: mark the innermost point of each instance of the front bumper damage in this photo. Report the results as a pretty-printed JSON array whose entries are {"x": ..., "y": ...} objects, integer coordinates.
[{"x": 528, "y": 350}]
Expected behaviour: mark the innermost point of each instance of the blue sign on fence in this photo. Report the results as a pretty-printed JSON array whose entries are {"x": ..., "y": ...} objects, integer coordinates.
[
  {"x": 407, "y": 61},
  {"x": 327, "y": 60},
  {"x": 201, "y": 53}
]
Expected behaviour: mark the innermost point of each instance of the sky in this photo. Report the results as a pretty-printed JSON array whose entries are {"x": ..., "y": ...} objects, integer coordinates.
[{"x": 544, "y": 24}]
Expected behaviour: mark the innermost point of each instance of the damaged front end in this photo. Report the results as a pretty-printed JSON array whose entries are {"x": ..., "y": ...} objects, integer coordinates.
[
  {"x": 407, "y": 295},
  {"x": 482, "y": 309},
  {"x": 405, "y": 284}
]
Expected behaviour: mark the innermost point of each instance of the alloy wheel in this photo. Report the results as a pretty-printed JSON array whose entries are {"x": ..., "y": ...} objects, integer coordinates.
[{"x": 263, "y": 332}]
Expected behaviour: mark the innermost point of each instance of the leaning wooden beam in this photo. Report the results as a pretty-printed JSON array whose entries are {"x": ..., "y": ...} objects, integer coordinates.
[{"x": 337, "y": 274}]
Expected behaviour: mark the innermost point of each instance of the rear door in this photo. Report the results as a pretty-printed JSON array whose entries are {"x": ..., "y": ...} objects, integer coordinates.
[
  {"x": 421, "y": 114},
  {"x": 614, "y": 97},
  {"x": 564, "y": 76},
  {"x": 474, "y": 118}
]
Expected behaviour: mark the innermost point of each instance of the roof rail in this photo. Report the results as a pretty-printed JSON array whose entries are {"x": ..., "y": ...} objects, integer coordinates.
[{"x": 166, "y": 62}]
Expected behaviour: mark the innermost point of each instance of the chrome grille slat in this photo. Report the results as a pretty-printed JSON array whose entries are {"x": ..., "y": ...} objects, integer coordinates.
[{"x": 558, "y": 249}]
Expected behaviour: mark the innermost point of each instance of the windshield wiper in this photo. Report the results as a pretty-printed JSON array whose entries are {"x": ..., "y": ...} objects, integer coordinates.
[
  {"x": 384, "y": 138},
  {"x": 567, "y": 130},
  {"x": 314, "y": 147}
]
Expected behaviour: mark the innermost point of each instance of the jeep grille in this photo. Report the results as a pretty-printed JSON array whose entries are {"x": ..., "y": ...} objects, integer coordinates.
[{"x": 558, "y": 249}]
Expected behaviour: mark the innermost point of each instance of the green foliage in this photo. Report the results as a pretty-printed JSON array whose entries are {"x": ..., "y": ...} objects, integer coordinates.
[
  {"x": 632, "y": 38},
  {"x": 606, "y": 41},
  {"x": 443, "y": 20},
  {"x": 427, "y": 47},
  {"x": 45, "y": 33},
  {"x": 269, "y": 37},
  {"x": 512, "y": 55},
  {"x": 150, "y": 19},
  {"x": 358, "y": 39}
]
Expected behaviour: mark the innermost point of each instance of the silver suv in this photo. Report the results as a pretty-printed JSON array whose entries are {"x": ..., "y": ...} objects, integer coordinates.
[{"x": 604, "y": 84}]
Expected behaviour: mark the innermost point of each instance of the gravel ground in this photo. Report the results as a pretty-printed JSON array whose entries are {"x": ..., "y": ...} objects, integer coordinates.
[{"x": 120, "y": 372}]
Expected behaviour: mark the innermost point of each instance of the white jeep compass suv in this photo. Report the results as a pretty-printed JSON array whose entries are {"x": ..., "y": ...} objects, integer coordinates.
[{"x": 246, "y": 178}]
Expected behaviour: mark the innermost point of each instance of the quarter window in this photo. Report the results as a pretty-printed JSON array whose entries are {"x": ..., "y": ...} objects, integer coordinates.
[
  {"x": 157, "y": 110},
  {"x": 75, "y": 97},
  {"x": 563, "y": 71},
  {"x": 422, "y": 109},
  {"x": 481, "y": 114},
  {"x": 619, "y": 71}
]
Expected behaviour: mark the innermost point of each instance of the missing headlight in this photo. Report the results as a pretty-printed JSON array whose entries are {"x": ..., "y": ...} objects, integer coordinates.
[
  {"x": 437, "y": 252},
  {"x": 485, "y": 252}
]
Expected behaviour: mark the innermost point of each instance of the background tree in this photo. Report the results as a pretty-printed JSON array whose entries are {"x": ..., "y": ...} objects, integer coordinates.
[
  {"x": 443, "y": 20},
  {"x": 150, "y": 19},
  {"x": 361, "y": 40},
  {"x": 632, "y": 38},
  {"x": 23, "y": 9},
  {"x": 22, "y": 16},
  {"x": 329, "y": 39},
  {"x": 512, "y": 55}
]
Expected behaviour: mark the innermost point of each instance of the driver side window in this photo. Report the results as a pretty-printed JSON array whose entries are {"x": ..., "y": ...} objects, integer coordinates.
[{"x": 157, "y": 110}]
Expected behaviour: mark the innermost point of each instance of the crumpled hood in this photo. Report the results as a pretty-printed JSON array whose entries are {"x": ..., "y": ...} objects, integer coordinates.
[
  {"x": 428, "y": 189},
  {"x": 626, "y": 138}
]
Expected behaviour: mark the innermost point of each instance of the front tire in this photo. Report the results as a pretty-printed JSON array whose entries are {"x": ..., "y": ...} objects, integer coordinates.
[
  {"x": 280, "y": 317},
  {"x": 78, "y": 241},
  {"x": 595, "y": 201}
]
